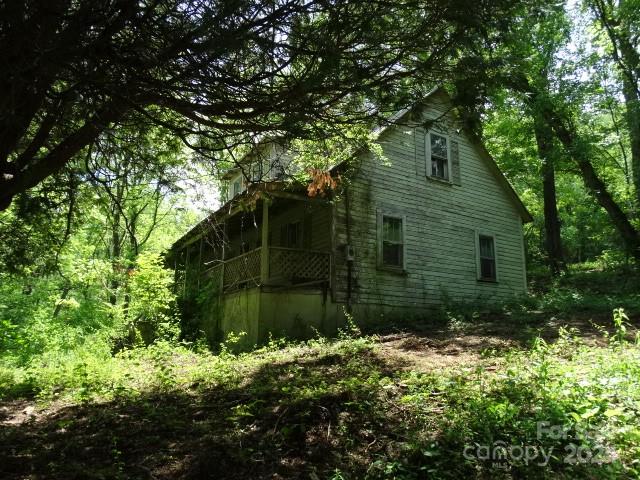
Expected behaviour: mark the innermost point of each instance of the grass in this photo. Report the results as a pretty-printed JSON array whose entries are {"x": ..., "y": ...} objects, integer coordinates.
[
  {"x": 337, "y": 409},
  {"x": 505, "y": 392}
]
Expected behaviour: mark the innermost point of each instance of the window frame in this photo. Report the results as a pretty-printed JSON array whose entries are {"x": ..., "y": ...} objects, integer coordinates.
[
  {"x": 382, "y": 213},
  {"x": 427, "y": 145},
  {"x": 479, "y": 276},
  {"x": 256, "y": 171},
  {"x": 236, "y": 180},
  {"x": 299, "y": 229},
  {"x": 277, "y": 171}
]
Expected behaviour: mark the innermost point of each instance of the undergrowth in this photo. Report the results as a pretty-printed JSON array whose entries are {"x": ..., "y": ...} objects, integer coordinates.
[
  {"x": 563, "y": 408},
  {"x": 342, "y": 408}
]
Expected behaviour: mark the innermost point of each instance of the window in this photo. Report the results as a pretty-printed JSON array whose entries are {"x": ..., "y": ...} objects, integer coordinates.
[
  {"x": 236, "y": 187},
  {"x": 291, "y": 235},
  {"x": 256, "y": 171},
  {"x": 277, "y": 170},
  {"x": 487, "y": 258},
  {"x": 438, "y": 156},
  {"x": 392, "y": 241}
]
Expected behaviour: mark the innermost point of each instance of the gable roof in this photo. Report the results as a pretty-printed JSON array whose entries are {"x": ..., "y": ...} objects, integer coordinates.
[
  {"x": 476, "y": 142},
  {"x": 393, "y": 121}
]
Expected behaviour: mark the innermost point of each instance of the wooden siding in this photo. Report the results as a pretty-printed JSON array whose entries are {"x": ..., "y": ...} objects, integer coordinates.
[
  {"x": 442, "y": 222},
  {"x": 315, "y": 220}
]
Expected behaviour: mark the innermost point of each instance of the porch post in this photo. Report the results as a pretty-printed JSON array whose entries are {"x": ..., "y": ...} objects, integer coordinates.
[
  {"x": 200, "y": 264},
  {"x": 264, "y": 250},
  {"x": 224, "y": 254}
]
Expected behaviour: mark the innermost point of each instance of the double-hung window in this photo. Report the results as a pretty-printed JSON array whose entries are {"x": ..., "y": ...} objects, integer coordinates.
[
  {"x": 438, "y": 156},
  {"x": 486, "y": 250},
  {"x": 236, "y": 187},
  {"x": 256, "y": 171},
  {"x": 391, "y": 247},
  {"x": 291, "y": 235}
]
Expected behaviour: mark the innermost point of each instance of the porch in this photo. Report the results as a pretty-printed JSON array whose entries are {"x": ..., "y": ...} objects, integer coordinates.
[
  {"x": 271, "y": 266},
  {"x": 280, "y": 240}
]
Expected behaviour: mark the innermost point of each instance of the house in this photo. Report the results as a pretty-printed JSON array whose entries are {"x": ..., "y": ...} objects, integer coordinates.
[{"x": 437, "y": 219}]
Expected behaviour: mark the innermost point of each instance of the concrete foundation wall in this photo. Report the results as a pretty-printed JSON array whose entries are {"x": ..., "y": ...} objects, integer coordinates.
[
  {"x": 297, "y": 314},
  {"x": 240, "y": 312},
  {"x": 293, "y": 314}
]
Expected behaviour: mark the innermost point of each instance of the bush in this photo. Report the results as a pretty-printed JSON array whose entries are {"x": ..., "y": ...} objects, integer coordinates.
[{"x": 152, "y": 307}]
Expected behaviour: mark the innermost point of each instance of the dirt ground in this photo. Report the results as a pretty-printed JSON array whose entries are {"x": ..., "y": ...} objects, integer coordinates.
[{"x": 430, "y": 347}]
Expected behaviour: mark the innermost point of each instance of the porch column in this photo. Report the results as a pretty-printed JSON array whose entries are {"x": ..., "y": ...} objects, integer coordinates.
[
  {"x": 264, "y": 250},
  {"x": 200, "y": 269},
  {"x": 224, "y": 254}
]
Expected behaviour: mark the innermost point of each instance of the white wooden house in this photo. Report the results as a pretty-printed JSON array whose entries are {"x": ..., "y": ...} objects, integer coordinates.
[{"x": 436, "y": 219}]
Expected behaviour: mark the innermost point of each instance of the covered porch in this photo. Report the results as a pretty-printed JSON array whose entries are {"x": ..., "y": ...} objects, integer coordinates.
[
  {"x": 269, "y": 239},
  {"x": 261, "y": 265},
  {"x": 272, "y": 266}
]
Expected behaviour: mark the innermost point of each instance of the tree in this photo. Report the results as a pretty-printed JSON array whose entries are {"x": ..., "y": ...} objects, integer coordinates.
[
  {"x": 509, "y": 67},
  {"x": 132, "y": 170},
  {"x": 546, "y": 40},
  {"x": 531, "y": 50},
  {"x": 565, "y": 130},
  {"x": 621, "y": 23},
  {"x": 36, "y": 228},
  {"x": 215, "y": 73},
  {"x": 552, "y": 229}
]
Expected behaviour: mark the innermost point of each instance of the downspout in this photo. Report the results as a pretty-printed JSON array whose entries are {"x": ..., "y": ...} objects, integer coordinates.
[{"x": 349, "y": 259}]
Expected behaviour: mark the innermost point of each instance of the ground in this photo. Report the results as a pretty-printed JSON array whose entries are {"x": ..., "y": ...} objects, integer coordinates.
[{"x": 398, "y": 404}]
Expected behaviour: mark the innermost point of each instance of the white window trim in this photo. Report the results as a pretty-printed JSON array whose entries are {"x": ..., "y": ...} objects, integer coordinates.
[
  {"x": 427, "y": 151},
  {"x": 392, "y": 214},
  {"x": 237, "y": 178},
  {"x": 478, "y": 234},
  {"x": 258, "y": 176}
]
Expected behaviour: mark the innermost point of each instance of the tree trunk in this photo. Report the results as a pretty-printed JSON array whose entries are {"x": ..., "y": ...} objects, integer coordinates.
[
  {"x": 615, "y": 22},
  {"x": 566, "y": 133},
  {"x": 116, "y": 240},
  {"x": 596, "y": 187},
  {"x": 63, "y": 296},
  {"x": 115, "y": 258},
  {"x": 552, "y": 229},
  {"x": 632, "y": 104}
]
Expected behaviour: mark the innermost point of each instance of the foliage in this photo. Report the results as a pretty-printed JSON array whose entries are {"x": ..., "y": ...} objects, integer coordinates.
[
  {"x": 152, "y": 300},
  {"x": 350, "y": 411},
  {"x": 97, "y": 189},
  {"x": 47, "y": 337},
  {"x": 569, "y": 97},
  {"x": 215, "y": 73}
]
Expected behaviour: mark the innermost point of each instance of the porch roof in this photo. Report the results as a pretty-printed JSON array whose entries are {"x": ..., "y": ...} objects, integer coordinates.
[{"x": 240, "y": 203}]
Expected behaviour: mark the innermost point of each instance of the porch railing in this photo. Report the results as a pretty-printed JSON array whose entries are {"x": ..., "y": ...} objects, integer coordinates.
[
  {"x": 286, "y": 266},
  {"x": 290, "y": 265},
  {"x": 243, "y": 270}
]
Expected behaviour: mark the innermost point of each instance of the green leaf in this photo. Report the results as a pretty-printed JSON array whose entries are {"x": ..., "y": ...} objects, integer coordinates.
[
  {"x": 590, "y": 413},
  {"x": 614, "y": 412},
  {"x": 575, "y": 416}
]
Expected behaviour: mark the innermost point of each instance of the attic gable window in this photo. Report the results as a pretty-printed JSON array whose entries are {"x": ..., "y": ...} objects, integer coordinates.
[
  {"x": 256, "y": 171},
  {"x": 438, "y": 156}
]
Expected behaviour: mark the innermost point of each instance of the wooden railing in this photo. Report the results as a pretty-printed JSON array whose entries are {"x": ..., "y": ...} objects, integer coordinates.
[
  {"x": 287, "y": 266},
  {"x": 214, "y": 275},
  {"x": 243, "y": 270},
  {"x": 291, "y": 266}
]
